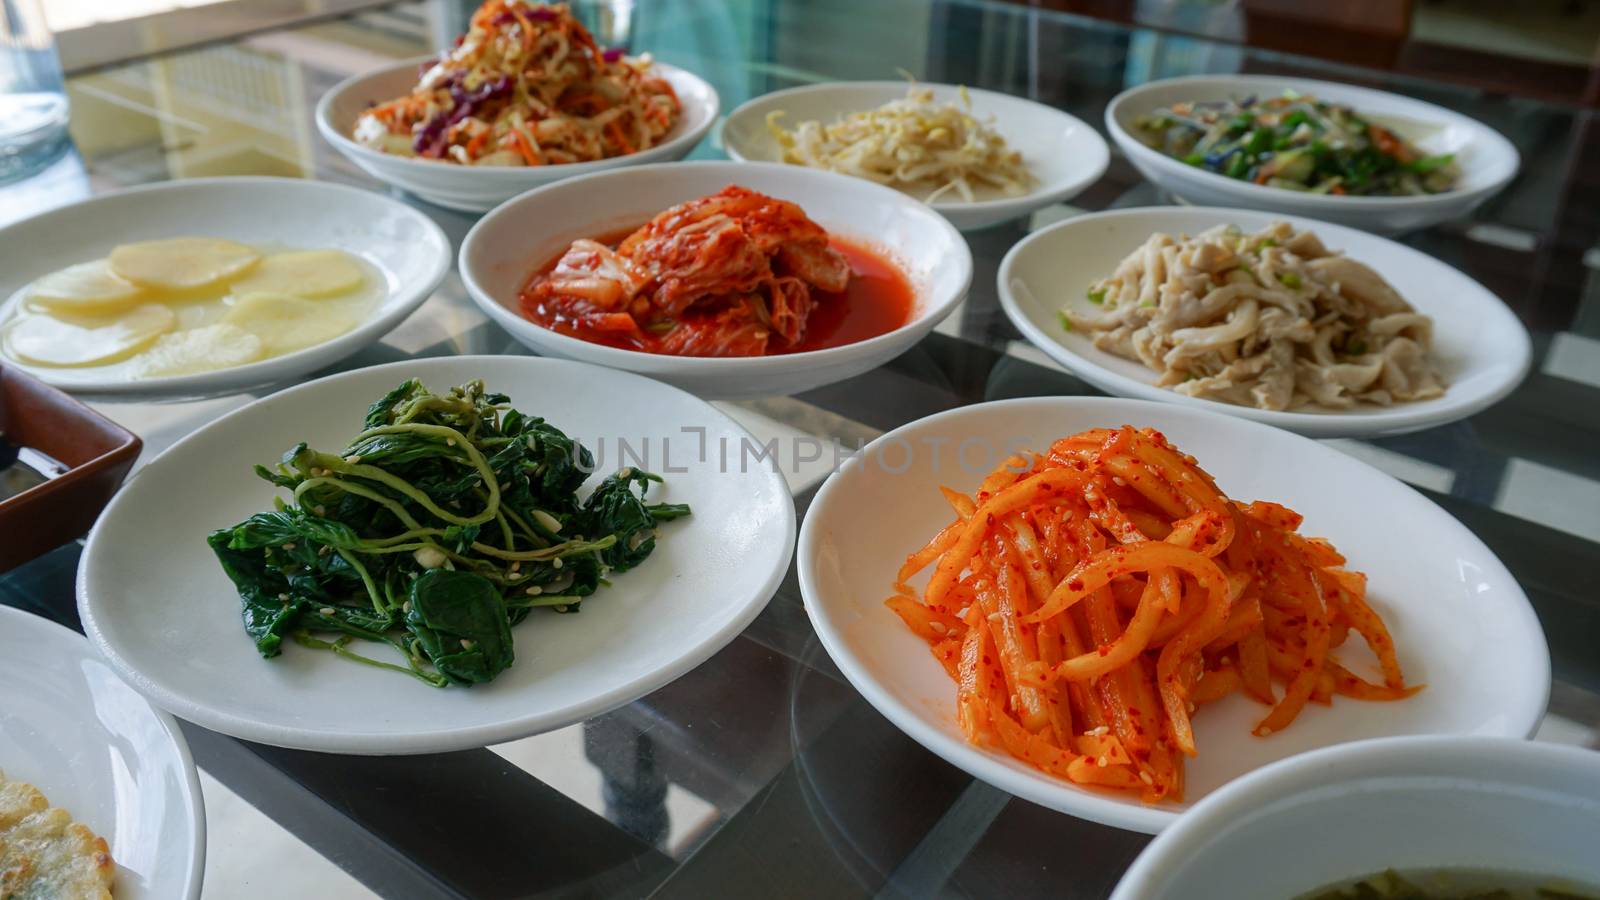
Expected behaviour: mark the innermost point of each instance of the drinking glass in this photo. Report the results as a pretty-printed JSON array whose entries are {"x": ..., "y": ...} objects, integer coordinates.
[{"x": 33, "y": 99}]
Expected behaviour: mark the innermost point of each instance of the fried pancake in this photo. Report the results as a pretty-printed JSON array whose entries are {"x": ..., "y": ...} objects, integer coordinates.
[{"x": 44, "y": 855}]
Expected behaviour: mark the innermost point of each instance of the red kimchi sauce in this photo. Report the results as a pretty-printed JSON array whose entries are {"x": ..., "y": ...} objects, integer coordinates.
[{"x": 877, "y": 300}]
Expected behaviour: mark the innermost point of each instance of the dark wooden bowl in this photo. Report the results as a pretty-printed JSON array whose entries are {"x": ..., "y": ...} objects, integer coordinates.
[{"x": 96, "y": 451}]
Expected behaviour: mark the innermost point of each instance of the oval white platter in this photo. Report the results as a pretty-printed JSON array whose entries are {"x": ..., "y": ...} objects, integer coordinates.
[
  {"x": 155, "y": 602},
  {"x": 402, "y": 245},
  {"x": 1461, "y": 623},
  {"x": 1482, "y": 350}
]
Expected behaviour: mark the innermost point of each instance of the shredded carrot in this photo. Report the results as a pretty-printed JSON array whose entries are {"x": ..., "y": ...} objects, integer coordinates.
[{"x": 1108, "y": 590}]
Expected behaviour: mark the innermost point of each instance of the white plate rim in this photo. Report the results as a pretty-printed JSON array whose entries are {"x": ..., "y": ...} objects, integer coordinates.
[
  {"x": 426, "y": 167},
  {"x": 618, "y": 358},
  {"x": 195, "y": 807},
  {"x": 985, "y": 765},
  {"x": 1360, "y": 421},
  {"x": 1131, "y": 145},
  {"x": 1043, "y": 195},
  {"x": 363, "y": 743},
  {"x": 263, "y": 371}
]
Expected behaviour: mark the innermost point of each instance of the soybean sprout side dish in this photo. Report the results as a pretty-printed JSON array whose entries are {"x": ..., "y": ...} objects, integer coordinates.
[
  {"x": 1299, "y": 143},
  {"x": 446, "y": 521},
  {"x": 527, "y": 85},
  {"x": 911, "y": 142}
]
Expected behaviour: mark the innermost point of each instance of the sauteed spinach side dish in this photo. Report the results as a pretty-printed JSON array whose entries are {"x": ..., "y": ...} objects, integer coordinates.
[{"x": 447, "y": 520}]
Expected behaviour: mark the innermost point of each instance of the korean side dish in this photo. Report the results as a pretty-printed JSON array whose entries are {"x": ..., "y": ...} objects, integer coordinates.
[
  {"x": 44, "y": 854},
  {"x": 1270, "y": 319},
  {"x": 1452, "y": 884},
  {"x": 914, "y": 143},
  {"x": 525, "y": 86},
  {"x": 445, "y": 522},
  {"x": 1299, "y": 143},
  {"x": 1090, "y": 601},
  {"x": 183, "y": 306},
  {"x": 736, "y": 273}
]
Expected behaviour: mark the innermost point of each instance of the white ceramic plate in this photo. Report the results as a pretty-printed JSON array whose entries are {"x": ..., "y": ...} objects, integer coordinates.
[
  {"x": 1402, "y": 803},
  {"x": 1482, "y": 350},
  {"x": 509, "y": 243},
  {"x": 1461, "y": 623},
  {"x": 1486, "y": 159},
  {"x": 71, "y": 728},
  {"x": 403, "y": 245},
  {"x": 155, "y": 602},
  {"x": 479, "y": 188},
  {"x": 1063, "y": 152}
]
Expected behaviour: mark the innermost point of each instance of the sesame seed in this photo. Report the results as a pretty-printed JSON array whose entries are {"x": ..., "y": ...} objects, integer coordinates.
[
  {"x": 561, "y": 608},
  {"x": 555, "y": 563},
  {"x": 937, "y": 627},
  {"x": 534, "y": 590},
  {"x": 353, "y": 459},
  {"x": 516, "y": 564},
  {"x": 449, "y": 442},
  {"x": 324, "y": 550},
  {"x": 995, "y": 617},
  {"x": 284, "y": 597},
  {"x": 1145, "y": 777},
  {"x": 326, "y": 610},
  {"x": 1101, "y": 762},
  {"x": 625, "y": 472},
  {"x": 467, "y": 644},
  {"x": 1264, "y": 731},
  {"x": 1096, "y": 732},
  {"x": 289, "y": 546},
  {"x": 405, "y": 607}
]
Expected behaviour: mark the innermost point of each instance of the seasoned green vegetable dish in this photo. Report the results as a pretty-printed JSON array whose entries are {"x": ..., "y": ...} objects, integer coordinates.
[
  {"x": 446, "y": 521},
  {"x": 1299, "y": 143},
  {"x": 1450, "y": 884}
]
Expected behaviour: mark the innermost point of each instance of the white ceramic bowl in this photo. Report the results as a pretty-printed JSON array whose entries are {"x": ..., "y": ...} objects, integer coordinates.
[
  {"x": 1481, "y": 348},
  {"x": 479, "y": 188},
  {"x": 1487, "y": 160},
  {"x": 1460, "y": 622},
  {"x": 1063, "y": 152},
  {"x": 509, "y": 243},
  {"x": 1401, "y": 803},
  {"x": 410, "y": 252},
  {"x": 71, "y": 728},
  {"x": 156, "y": 604}
]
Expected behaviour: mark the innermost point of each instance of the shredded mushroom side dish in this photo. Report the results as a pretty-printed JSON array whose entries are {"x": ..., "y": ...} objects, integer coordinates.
[
  {"x": 1273, "y": 320},
  {"x": 907, "y": 143}
]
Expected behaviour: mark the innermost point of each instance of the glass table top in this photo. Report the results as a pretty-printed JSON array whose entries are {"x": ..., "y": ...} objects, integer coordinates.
[{"x": 763, "y": 766}]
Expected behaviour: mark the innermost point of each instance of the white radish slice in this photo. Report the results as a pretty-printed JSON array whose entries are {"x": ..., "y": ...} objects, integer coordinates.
[
  {"x": 286, "y": 323},
  {"x": 182, "y": 264},
  {"x": 305, "y": 273},
  {"x": 204, "y": 349},
  {"x": 89, "y": 287},
  {"x": 70, "y": 341}
]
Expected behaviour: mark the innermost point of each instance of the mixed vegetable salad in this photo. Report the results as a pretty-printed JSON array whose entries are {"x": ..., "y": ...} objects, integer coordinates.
[
  {"x": 527, "y": 85},
  {"x": 1297, "y": 142},
  {"x": 446, "y": 521}
]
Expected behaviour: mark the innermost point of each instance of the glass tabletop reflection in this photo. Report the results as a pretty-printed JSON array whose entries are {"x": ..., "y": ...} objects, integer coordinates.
[{"x": 763, "y": 766}]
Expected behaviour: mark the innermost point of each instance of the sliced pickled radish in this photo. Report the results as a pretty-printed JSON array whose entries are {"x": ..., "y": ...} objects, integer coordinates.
[
  {"x": 182, "y": 264},
  {"x": 71, "y": 341},
  {"x": 204, "y": 349},
  {"x": 89, "y": 287},
  {"x": 285, "y": 323},
  {"x": 306, "y": 273}
]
